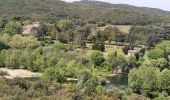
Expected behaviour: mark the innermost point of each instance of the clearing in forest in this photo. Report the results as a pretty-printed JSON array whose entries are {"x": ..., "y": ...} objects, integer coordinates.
[{"x": 14, "y": 73}]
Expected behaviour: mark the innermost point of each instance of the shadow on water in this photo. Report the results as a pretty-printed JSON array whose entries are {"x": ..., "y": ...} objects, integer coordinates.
[{"x": 120, "y": 81}]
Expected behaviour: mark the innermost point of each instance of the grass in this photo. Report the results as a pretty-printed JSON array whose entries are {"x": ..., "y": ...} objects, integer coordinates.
[{"x": 123, "y": 28}]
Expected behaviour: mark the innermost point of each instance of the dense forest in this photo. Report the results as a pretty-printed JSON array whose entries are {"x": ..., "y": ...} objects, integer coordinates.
[
  {"x": 87, "y": 11},
  {"x": 79, "y": 47}
]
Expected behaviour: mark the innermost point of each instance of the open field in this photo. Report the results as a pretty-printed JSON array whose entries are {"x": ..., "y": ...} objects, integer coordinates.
[{"x": 123, "y": 28}]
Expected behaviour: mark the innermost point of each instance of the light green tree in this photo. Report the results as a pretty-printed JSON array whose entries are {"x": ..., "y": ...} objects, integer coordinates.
[{"x": 13, "y": 28}]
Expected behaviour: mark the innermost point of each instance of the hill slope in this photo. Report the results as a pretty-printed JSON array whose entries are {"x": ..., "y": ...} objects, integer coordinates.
[{"x": 91, "y": 11}]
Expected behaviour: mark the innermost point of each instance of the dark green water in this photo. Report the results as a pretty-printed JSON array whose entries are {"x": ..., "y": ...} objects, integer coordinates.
[{"x": 118, "y": 80}]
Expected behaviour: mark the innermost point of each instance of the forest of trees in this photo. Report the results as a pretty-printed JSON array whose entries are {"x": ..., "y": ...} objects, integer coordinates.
[
  {"x": 59, "y": 49},
  {"x": 64, "y": 55},
  {"x": 53, "y": 10}
]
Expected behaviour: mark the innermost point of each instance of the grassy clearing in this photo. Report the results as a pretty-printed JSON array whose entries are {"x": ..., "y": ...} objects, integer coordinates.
[{"x": 123, "y": 28}]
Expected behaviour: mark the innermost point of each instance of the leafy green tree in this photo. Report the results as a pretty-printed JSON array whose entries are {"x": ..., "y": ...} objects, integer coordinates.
[
  {"x": 96, "y": 57},
  {"x": 54, "y": 74},
  {"x": 13, "y": 28},
  {"x": 65, "y": 25},
  {"x": 155, "y": 54},
  {"x": 5, "y": 38},
  {"x": 19, "y": 42},
  {"x": 57, "y": 46},
  {"x": 116, "y": 59},
  {"x": 2, "y": 58},
  {"x": 160, "y": 63},
  {"x": 87, "y": 83},
  {"x": 111, "y": 59},
  {"x": 27, "y": 22},
  {"x": 165, "y": 80},
  {"x": 145, "y": 80},
  {"x": 132, "y": 60},
  {"x": 12, "y": 59},
  {"x": 80, "y": 38},
  {"x": 132, "y": 36}
]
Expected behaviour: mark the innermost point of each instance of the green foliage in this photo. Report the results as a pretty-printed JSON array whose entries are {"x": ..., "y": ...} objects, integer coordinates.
[
  {"x": 5, "y": 38},
  {"x": 165, "y": 81},
  {"x": 19, "y": 42},
  {"x": 65, "y": 25},
  {"x": 156, "y": 53},
  {"x": 11, "y": 59},
  {"x": 113, "y": 91},
  {"x": 96, "y": 57},
  {"x": 132, "y": 60},
  {"x": 116, "y": 59},
  {"x": 100, "y": 47},
  {"x": 53, "y": 74},
  {"x": 55, "y": 10},
  {"x": 59, "y": 46},
  {"x": 149, "y": 81},
  {"x": 87, "y": 83},
  {"x": 3, "y": 46},
  {"x": 27, "y": 22},
  {"x": 13, "y": 28}
]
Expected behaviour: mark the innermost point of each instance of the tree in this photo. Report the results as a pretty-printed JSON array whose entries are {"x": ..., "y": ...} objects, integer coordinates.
[
  {"x": 65, "y": 25},
  {"x": 116, "y": 59},
  {"x": 53, "y": 74},
  {"x": 96, "y": 57},
  {"x": 111, "y": 59},
  {"x": 155, "y": 54},
  {"x": 80, "y": 38},
  {"x": 12, "y": 59},
  {"x": 5, "y": 38},
  {"x": 87, "y": 83},
  {"x": 145, "y": 81},
  {"x": 165, "y": 80},
  {"x": 98, "y": 46},
  {"x": 13, "y": 28},
  {"x": 132, "y": 61},
  {"x": 3, "y": 23},
  {"x": 42, "y": 31},
  {"x": 2, "y": 58},
  {"x": 3, "y": 46},
  {"x": 132, "y": 37},
  {"x": 19, "y": 42}
]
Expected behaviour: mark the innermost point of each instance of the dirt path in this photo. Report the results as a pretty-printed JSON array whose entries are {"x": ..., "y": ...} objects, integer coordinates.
[{"x": 13, "y": 73}]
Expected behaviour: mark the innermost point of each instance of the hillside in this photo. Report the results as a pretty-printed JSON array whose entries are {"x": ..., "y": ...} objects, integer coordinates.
[
  {"x": 89, "y": 11},
  {"x": 153, "y": 11},
  {"x": 158, "y": 13}
]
